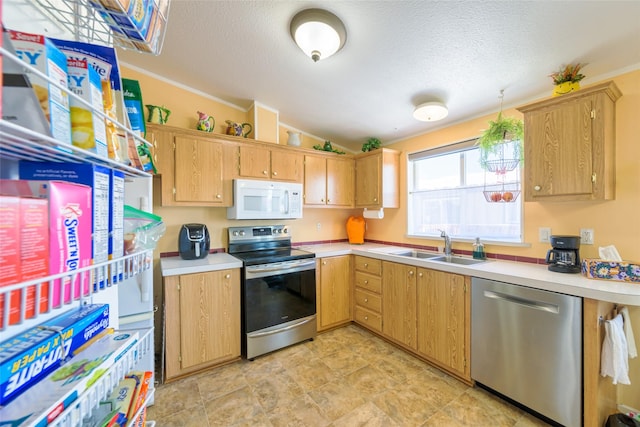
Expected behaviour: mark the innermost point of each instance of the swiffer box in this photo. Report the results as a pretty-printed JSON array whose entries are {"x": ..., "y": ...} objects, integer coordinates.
[
  {"x": 98, "y": 178},
  {"x": 69, "y": 226},
  {"x": 28, "y": 357},
  {"x": 40, "y": 52},
  {"x": 45, "y": 401},
  {"x": 88, "y": 130},
  {"x": 116, "y": 224}
]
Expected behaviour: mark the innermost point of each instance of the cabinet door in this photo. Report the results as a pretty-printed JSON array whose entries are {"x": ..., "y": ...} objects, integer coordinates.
[
  {"x": 287, "y": 165},
  {"x": 198, "y": 170},
  {"x": 443, "y": 329},
  {"x": 399, "y": 302},
  {"x": 559, "y": 150},
  {"x": 335, "y": 291},
  {"x": 315, "y": 180},
  {"x": 368, "y": 181},
  {"x": 255, "y": 162},
  {"x": 340, "y": 182},
  {"x": 209, "y": 317}
]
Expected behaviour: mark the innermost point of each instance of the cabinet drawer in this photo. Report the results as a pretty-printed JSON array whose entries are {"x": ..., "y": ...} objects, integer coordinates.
[
  {"x": 368, "y": 318},
  {"x": 369, "y": 282},
  {"x": 368, "y": 300},
  {"x": 370, "y": 265}
]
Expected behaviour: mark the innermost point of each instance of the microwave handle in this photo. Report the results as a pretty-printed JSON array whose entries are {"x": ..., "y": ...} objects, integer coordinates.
[{"x": 286, "y": 202}]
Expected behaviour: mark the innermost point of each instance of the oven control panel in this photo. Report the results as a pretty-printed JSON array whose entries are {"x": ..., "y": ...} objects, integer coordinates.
[{"x": 259, "y": 233}]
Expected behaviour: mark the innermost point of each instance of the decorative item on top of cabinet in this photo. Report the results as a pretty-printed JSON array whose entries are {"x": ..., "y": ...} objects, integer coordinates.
[
  {"x": 202, "y": 321},
  {"x": 377, "y": 180},
  {"x": 328, "y": 181},
  {"x": 270, "y": 163},
  {"x": 570, "y": 145},
  {"x": 237, "y": 129},
  {"x": 443, "y": 308},
  {"x": 195, "y": 170},
  {"x": 206, "y": 123},
  {"x": 567, "y": 80},
  {"x": 334, "y": 291},
  {"x": 368, "y": 289}
]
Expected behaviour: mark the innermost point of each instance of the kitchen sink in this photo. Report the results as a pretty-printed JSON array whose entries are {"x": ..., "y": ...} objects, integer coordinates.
[
  {"x": 457, "y": 260},
  {"x": 417, "y": 254}
]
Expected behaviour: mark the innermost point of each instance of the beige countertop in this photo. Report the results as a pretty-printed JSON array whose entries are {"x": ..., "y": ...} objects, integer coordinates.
[{"x": 519, "y": 273}]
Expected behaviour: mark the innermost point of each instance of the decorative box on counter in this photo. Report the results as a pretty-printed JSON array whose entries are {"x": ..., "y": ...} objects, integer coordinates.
[{"x": 622, "y": 271}]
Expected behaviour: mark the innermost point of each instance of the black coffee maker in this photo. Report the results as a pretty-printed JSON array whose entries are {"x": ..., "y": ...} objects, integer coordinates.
[{"x": 565, "y": 255}]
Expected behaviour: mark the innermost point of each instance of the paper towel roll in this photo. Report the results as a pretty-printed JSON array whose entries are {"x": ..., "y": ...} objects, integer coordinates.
[{"x": 373, "y": 213}]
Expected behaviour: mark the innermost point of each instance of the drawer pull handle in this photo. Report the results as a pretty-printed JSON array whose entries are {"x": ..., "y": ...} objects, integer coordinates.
[
  {"x": 366, "y": 265},
  {"x": 264, "y": 172},
  {"x": 366, "y": 317},
  {"x": 275, "y": 174},
  {"x": 227, "y": 276},
  {"x": 537, "y": 188},
  {"x": 410, "y": 272},
  {"x": 366, "y": 282},
  {"x": 218, "y": 196},
  {"x": 366, "y": 300}
]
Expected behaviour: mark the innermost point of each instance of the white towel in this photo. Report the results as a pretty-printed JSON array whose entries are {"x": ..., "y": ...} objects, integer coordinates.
[
  {"x": 628, "y": 333},
  {"x": 614, "y": 359}
]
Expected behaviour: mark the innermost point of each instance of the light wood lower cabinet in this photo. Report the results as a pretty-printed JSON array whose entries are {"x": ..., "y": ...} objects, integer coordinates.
[
  {"x": 334, "y": 291},
  {"x": 443, "y": 316},
  {"x": 202, "y": 321},
  {"x": 368, "y": 293},
  {"x": 399, "y": 303}
]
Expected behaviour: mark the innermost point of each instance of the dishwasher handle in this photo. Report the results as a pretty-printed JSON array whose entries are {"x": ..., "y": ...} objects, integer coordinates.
[{"x": 536, "y": 305}]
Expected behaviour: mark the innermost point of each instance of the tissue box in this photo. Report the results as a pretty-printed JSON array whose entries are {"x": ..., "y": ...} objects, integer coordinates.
[{"x": 622, "y": 271}]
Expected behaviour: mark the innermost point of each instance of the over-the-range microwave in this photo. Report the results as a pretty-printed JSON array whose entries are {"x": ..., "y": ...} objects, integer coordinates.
[{"x": 256, "y": 199}]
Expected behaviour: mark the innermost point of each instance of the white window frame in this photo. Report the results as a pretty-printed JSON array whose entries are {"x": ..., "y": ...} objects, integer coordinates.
[{"x": 444, "y": 150}]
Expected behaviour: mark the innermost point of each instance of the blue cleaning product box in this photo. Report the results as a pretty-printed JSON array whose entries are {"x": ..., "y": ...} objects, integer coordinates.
[
  {"x": 98, "y": 178},
  {"x": 30, "y": 356}
]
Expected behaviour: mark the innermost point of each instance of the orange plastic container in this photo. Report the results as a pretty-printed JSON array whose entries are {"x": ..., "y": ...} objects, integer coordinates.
[{"x": 355, "y": 230}]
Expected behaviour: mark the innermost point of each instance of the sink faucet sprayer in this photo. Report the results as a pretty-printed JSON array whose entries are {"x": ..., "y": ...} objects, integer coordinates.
[{"x": 447, "y": 243}]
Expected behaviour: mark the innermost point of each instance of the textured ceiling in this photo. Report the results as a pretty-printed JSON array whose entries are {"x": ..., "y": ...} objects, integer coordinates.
[{"x": 398, "y": 54}]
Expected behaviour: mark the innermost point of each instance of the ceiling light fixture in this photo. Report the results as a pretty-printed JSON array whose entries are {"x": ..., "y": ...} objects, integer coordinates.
[
  {"x": 318, "y": 33},
  {"x": 430, "y": 111}
]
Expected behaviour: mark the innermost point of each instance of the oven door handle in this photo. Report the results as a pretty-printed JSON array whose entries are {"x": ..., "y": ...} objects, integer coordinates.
[
  {"x": 289, "y": 267},
  {"x": 277, "y": 331}
]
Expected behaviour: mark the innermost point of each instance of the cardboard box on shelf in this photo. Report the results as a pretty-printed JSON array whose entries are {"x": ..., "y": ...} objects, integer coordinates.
[
  {"x": 98, "y": 179},
  {"x": 28, "y": 357},
  {"x": 87, "y": 128},
  {"x": 45, "y": 401},
  {"x": 39, "y": 52},
  {"x": 10, "y": 256},
  {"x": 116, "y": 223}
]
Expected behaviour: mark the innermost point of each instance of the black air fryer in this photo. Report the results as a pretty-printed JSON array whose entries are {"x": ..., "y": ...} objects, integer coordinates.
[{"x": 193, "y": 242}]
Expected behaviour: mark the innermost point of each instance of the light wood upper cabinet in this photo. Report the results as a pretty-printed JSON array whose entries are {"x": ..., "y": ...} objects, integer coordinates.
[
  {"x": 193, "y": 170},
  {"x": 270, "y": 163},
  {"x": 443, "y": 305},
  {"x": 399, "y": 303},
  {"x": 377, "y": 180},
  {"x": 328, "y": 181},
  {"x": 202, "y": 320},
  {"x": 334, "y": 291},
  {"x": 569, "y": 149}
]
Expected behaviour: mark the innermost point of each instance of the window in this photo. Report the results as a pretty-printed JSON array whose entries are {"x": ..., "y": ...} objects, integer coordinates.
[{"x": 447, "y": 189}]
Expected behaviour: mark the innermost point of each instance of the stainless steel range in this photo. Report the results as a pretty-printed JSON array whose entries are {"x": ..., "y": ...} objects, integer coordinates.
[{"x": 278, "y": 289}]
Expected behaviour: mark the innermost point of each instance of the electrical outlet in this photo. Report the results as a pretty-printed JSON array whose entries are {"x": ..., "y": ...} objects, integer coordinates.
[
  {"x": 586, "y": 236},
  {"x": 544, "y": 234},
  {"x": 318, "y": 226}
]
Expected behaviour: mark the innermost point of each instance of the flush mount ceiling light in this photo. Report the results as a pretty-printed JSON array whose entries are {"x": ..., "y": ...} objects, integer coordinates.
[
  {"x": 430, "y": 111},
  {"x": 318, "y": 33}
]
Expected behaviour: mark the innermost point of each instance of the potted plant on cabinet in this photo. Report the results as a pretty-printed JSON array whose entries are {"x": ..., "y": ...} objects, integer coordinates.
[
  {"x": 567, "y": 79},
  {"x": 371, "y": 144}
]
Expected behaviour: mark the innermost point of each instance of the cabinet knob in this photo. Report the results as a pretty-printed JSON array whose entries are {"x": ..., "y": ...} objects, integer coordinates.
[
  {"x": 366, "y": 317},
  {"x": 419, "y": 274},
  {"x": 264, "y": 172},
  {"x": 366, "y": 282},
  {"x": 366, "y": 300},
  {"x": 410, "y": 272},
  {"x": 537, "y": 188},
  {"x": 227, "y": 276},
  {"x": 375, "y": 199},
  {"x": 324, "y": 262},
  {"x": 275, "y": 174},
  {"x": 366, "y": 265},
  {"x": 218, "y": 196},
  {"x": 322, "y": 200},
  {"x": 328, "y": 200}
]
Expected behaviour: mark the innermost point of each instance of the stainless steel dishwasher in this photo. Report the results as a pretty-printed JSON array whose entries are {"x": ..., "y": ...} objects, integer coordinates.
[{"x": 526, "y": 344}]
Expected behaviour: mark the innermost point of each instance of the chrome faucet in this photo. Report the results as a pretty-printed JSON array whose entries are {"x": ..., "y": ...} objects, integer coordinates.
[{"x": 447, "y": 243}]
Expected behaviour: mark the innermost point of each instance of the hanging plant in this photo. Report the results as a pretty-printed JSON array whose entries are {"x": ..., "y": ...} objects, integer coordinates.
[{"x": 501, "y": 144}]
